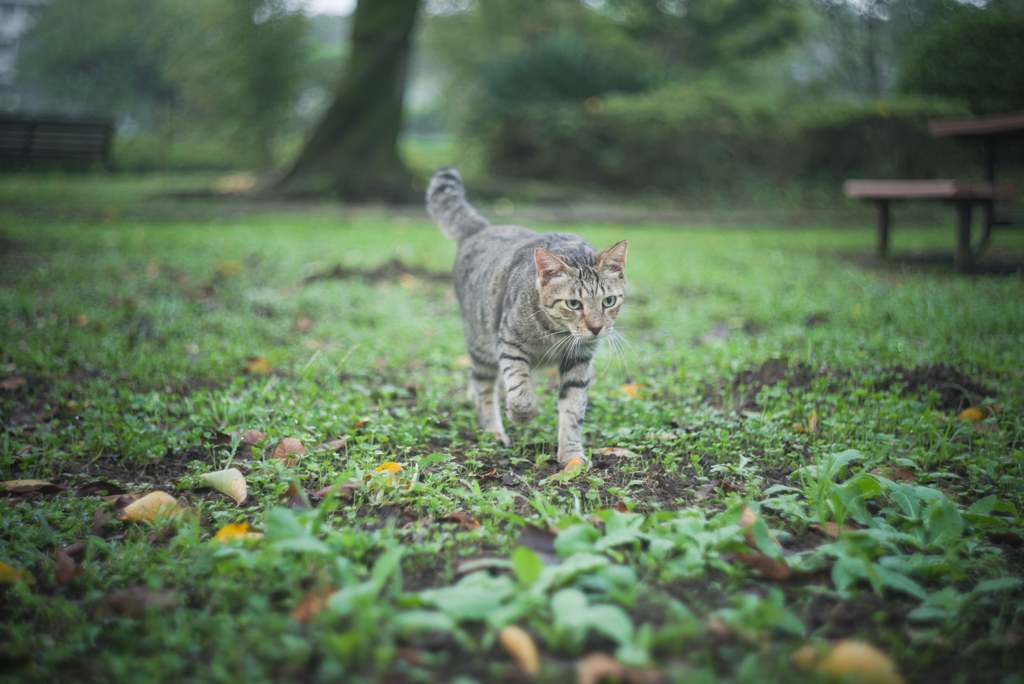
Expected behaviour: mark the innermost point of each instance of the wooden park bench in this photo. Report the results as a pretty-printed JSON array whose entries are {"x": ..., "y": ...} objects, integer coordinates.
[
  {"x": 25, "y": 140},
  {"x": 990, "y": 130},
  {"x": 962, "y": 195}
]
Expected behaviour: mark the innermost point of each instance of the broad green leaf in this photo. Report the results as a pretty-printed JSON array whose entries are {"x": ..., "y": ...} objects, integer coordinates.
[
  {"x": 578, "y": 538},
  {"x": 983, "y": 506},
  {"x": 1001, "y": 584},
  {"x": 836, "y": 462},
  {"x": 286, "y": 533},
  {"x": 423, "y": 621},
  {"x": 611, "y": 621},
  {"x": 527, "y": 565},
  {"x": 895, "y": 580}
]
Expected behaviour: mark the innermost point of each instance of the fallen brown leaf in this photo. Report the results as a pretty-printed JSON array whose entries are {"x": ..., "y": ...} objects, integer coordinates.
[
  {"x": 896, "y": 474},
  {"x": 771, "y": 569},
  {"x": 13, "y": 501},
  {"x": 11, "y": 384},
  {"x": 76, "y": 549},
  {"x": 294, "y": 497},
  {"x": 706, "y": 490},
  {"x": 520, "y": 646},
  {"x": 100, "y": 518},
  {"x": 616, "y": 452},
  {"x": 132, "y": 603},
  {"x": 461, "y": 519},
  {"x": 832, "y": 529},
  {"x": 621, "y": 507},
  {"x": 598, "y": 667},
  {"x": 65, "y": 568},
  {"x": 335, "y": 445},
  {"x": 344, "y": 490},
  {"x": 288, "y": 446},
  {"x": 312, "y": 603},
  {"x": 93, "y": 488},
  {"x": 303, "y": 324}
]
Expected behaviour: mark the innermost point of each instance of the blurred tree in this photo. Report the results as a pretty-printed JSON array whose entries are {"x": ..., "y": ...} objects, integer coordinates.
[
  {"x": 102, "y": 56},
  {"x": 242, "y": 66},
  {"x": 233, "y": 65},
  {"x": 353, "y": 152},
  {"x": 977, "y": 58}
]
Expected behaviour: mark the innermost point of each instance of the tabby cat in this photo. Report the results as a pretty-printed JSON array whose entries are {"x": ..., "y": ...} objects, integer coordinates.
[{"x": 528, "y": 300}]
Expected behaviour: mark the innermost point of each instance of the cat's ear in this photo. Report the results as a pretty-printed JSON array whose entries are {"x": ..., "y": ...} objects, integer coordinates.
[
  {"x": 613, "y": 259},
  {"x": 549, "y": 266}
]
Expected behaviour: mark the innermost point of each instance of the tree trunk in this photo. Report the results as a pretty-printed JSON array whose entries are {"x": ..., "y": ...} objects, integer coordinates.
[{"x": 353, "y": 152}]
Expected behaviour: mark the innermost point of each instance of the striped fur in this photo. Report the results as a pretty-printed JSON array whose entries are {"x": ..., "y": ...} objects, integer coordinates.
[{"x": 528, "y": 300}]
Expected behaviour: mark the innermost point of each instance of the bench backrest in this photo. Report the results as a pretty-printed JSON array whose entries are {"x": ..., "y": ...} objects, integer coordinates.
[{"x": 55, "y": 138}]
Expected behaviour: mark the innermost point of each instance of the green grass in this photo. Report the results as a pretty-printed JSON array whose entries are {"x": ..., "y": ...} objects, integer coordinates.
[{"x": 136, "y": 336}]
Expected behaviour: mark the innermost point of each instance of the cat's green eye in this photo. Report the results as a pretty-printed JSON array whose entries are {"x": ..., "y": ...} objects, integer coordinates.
[
  {"x": 609, "y": 301},
  {"x": 573, "y": 304}
]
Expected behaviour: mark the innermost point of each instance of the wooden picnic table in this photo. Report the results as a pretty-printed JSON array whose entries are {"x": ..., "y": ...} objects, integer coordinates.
[{"x": 990, "y": 130}]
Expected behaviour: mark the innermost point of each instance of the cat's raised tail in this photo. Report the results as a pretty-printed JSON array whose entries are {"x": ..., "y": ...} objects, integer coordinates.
[{"x": 446, "y": 203}]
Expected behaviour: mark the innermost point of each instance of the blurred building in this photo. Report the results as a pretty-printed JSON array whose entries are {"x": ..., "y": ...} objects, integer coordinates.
[{"x": 15, "y": 19}]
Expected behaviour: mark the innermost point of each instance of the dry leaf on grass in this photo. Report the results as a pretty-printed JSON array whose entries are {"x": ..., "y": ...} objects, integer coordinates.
[
  {"x": 312, "y": 603},
  {"x": 65, "y": 568},
  {"x": 32, "y": 486},
  {"x": 230, "y": 482},
  {"x": 100, "y": 518},
  {"x": 520, "y": 647},
  {"x": 461, "y": 519},
  {"x": 771, "y": 569},
  {"x": 832, "y": 529},
  {"x": 94, "y": 488},
  {"x": 848, "y": 660},
  {"x": 151, "y": 506},
  {"x": 616, "y": 452},
  {"x": 237, "y": 531},
  {"x": 288, "y": 446},
  {"x": 598, "y": 667},
  {"x": 132, "y": 603},
  {"x": 389, "y": 467},
  {"x": 335, "y": 445},
  {"x": 11, "y": 575},
  {"x": 715, "y": 485},
  {"x": 632, "y": 389},
  {"x": 972, "y": 414},
  {"x": 294, "y": 497},
  {"x": 896, "y": 474},
  {"x": 344, "y": 490},
  {"x": 258, "y": 365},
  {"x": 11, "y": 384},
  {"x": 76, "y": 549}
]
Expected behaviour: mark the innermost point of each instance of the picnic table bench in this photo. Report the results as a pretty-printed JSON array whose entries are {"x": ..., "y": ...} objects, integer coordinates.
[
  {"x": 990, "y": 130},
  {"x": 24, "y": 139}
]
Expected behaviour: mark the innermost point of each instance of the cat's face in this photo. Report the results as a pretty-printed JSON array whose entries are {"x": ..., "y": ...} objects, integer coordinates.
[{"x": 584, "y": 301}]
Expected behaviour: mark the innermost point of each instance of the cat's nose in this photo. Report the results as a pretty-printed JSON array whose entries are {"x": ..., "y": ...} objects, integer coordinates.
[{"x": 594, "y": 328}]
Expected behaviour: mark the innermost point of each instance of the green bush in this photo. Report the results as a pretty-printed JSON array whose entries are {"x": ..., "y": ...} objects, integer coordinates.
[
  {"x": 687, "y": 136},
  {"x": 978, "y": 59}
]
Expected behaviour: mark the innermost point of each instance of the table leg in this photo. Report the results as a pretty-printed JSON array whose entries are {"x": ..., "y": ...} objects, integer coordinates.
[
  {"x": 883, "y": 228},
  {"x": 962, "y": 258}
]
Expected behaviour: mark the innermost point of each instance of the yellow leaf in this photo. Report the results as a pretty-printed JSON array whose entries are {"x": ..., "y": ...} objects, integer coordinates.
[
  {"x": 11, "y": 484},
  {"x": 229, "y": 267},
  {"x": 389, "y": 467},
  {"x": 571, "y": 470},
  {"x": 230, "y": 482},
  {"x": 849, "y": 659},
  {"x": 11, "y": 575},
  {"x": 463, "y": 361},
  {"x": 237, "y": 531},
  {"x": 972, "y": 414},
  {"x": 632, "y": 389},
  {"x": 150, "y": 506},
  {"x": 520, "y": 647},
  {"x": 258, "y": 365}
]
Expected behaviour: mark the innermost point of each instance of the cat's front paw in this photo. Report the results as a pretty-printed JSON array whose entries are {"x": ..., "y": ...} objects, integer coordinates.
[
  {"x": 522, "y": 408},
  {"x": 503, "y": 438},
  {"x": 566, "y": 457}
]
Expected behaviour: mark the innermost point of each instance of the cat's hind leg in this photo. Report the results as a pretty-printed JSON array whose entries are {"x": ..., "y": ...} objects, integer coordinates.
[{"x": 483, "y": 384}]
